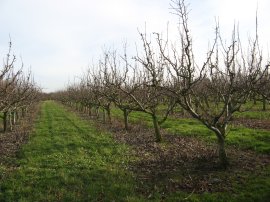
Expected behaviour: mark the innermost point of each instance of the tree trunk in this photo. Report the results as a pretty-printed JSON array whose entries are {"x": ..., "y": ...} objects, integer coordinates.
[
  {"x": 104, "y": 115},
  {"x": 108, "y": 110},
  {"x": 97, "y": 112},
  {"x": 264, "y": 104},
  {"x": 183, "y": 112},
  {"x": 157, "y": 128},
  {"x": 126, "y": 118},
  {"x": 223, "y": 159},
  {"x": 90, "y": 111},
  {"x": 10, "y": 121},
  {"x": 81, "y": 107},
  {"x": 14, "y": 118},
  {"x": 254, "y": 101},
  {"x": 23, "y": 112},
  {"x": 17, "y": 115},
  {"x": 5, "y": 121}
]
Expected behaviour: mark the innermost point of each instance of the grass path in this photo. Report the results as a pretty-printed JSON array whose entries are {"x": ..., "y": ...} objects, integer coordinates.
[{"x": 66, "y": 159}]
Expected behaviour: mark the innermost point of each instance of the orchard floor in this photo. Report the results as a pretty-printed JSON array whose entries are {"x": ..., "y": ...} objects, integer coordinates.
[
  {"x": 71, "y": 158},
  {"x": 67, "y": 159}
]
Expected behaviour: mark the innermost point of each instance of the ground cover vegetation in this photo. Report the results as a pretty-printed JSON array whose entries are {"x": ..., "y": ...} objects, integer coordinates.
[
  {"x": 157, "y": 125},
  {"x": 67, "y": 159}
]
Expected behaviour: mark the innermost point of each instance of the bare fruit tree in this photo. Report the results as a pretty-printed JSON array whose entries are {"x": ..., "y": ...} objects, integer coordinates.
[
  {"x": 263, "y": 88},
  {"x": 17, "y": 91},
  {"x": 218, "y": 88}
]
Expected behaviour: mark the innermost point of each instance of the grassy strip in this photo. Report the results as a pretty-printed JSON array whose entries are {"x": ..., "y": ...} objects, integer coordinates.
[
  {"x": 66, "y": 159},
  {"x": 253, "y": 111},
  {"x": 248, "y": 111},
  {"x": 246, "y": 138},
  {"x": 261, "y": 115}
]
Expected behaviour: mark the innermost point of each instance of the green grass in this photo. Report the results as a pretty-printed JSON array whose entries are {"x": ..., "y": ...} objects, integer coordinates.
[
  {"x": 254, "y": 111},
  {"x": 261, "y": 115},
  {"x": 245, "y": 138},
  {"x": 67, "y": 159},
  {"x": 257, "y": 106}
]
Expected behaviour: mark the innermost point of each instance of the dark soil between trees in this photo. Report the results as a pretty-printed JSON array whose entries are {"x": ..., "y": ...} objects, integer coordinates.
[
  {"x": 12, "y": 141},
  {"x": 252, "y": 123},
  {"x": 183, "y": 163}
]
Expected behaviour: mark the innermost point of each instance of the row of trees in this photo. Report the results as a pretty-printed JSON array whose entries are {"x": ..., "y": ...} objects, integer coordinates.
[
  {"x": 165, "y": 75},
  {"x": 18, "y": 91}
]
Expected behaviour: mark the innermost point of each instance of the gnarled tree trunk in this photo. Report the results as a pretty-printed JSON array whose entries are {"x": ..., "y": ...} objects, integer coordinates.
[
  {"x": 126, "y": 118},
  {"x": 5, "y": 121},
  {"x": 264, "y": 103},
  {"x": 108, "y": 110},
  {"x": 157, "y": 128},
  {"x": 223, "y": 159}
]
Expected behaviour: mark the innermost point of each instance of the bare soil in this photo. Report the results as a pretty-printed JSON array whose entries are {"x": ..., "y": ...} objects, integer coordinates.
[
  {"x": 252, "y": 123},
  {"x": 183, "y": 163},
  {"x": 12, "y": 141}
]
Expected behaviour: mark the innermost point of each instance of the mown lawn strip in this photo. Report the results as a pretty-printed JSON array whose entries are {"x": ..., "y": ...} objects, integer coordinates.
[{"x": 67, "y": 159}]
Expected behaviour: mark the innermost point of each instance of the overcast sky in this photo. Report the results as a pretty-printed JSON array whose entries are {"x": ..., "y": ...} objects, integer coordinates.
[{"x": 58, "y": 39}]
